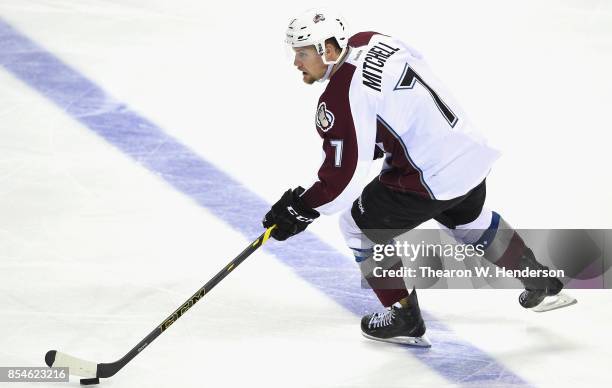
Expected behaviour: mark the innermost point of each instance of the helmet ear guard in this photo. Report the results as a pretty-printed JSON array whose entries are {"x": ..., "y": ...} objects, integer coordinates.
[{"x": 340, "y": 57}]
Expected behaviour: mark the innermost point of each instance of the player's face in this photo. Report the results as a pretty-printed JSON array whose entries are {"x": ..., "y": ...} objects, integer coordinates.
[{"x": 310, "y": 63}]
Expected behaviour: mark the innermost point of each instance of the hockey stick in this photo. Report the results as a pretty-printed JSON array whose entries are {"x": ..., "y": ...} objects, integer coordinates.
[{"x": 93, "y": 372}]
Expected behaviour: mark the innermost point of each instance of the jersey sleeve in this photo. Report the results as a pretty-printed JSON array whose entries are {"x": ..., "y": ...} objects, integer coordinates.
[{"x": 346, "y": 123}]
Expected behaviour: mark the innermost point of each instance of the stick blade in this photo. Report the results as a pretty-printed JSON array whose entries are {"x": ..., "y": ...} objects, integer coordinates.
[{"x": 76, "y": 366}]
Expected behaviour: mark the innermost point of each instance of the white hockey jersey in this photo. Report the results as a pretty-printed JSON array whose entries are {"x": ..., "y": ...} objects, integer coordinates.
[{"x": 384, "y": 95}]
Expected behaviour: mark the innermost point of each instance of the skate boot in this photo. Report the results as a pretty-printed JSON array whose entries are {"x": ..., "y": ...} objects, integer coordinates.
[
  {"x": 401, "y": 325},
  {"x": 541, "y": 293}
]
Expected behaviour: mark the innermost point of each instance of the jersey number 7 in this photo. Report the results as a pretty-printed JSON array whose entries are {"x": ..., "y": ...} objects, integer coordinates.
[{"x": 410, "y": 77}]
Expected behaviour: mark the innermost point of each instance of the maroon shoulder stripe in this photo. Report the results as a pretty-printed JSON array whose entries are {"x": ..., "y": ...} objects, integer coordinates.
[{"x": 361, "y": 38}]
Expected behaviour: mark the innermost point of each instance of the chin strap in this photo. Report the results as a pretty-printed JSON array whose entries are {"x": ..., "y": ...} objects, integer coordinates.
[
  {"x": 327, "y": 73},
  {"x": 330, "y": 65}
]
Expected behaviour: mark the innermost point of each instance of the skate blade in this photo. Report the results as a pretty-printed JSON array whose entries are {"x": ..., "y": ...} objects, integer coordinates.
[
  {"x": 554, "y": 302},
  {"x": 421, "y": 342}
]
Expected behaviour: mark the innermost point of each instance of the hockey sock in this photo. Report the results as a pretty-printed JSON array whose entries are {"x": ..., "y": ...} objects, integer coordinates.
[
  {"x": 503, "y": 246},
  {"x": 387, "y": 289}
]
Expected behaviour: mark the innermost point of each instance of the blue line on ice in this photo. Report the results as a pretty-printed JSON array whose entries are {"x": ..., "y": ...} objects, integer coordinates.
[{"x": 455, "y": 359}]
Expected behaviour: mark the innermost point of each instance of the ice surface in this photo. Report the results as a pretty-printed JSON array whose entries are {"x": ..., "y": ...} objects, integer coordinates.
[{"x": 140, "y": 142}]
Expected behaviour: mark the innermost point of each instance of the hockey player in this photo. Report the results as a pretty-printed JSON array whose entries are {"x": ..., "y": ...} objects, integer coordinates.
[{"x": 382, "y": 99}]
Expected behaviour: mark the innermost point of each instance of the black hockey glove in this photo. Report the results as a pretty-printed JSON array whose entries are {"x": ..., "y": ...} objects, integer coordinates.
[{"x": 290, "y": 215}]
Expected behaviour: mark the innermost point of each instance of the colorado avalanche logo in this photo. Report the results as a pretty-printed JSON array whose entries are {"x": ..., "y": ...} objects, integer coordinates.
[
  {"x": 318, "y": 18},
  {"x": 325, "y": 119}
]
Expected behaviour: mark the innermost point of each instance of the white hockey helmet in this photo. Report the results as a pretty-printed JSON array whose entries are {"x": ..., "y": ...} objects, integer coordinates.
[{"x": 314, "y": 26}]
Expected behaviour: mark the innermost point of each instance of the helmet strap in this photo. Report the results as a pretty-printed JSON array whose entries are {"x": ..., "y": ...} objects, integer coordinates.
[
  {"x": 330, "y": 67},
  {"x": 331, "y": 64}
]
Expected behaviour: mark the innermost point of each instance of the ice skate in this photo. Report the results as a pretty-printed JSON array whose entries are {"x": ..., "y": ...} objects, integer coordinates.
[
  {"x": 401, "y": 325},
  {"x": 542, "y": 294}
]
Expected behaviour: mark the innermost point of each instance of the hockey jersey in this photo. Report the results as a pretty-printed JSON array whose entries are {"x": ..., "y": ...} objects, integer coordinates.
[{"x": 385, "y": 96}]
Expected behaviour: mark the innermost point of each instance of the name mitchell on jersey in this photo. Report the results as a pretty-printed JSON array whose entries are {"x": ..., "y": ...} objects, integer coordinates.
[{"x": 375, "y": 60}]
